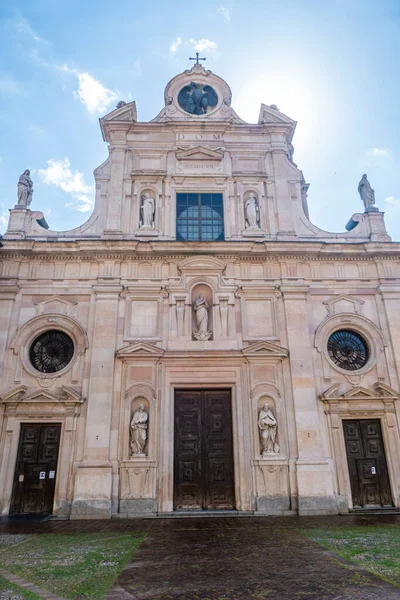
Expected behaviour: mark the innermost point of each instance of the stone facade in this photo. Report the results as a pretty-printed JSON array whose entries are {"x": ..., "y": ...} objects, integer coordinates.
[{"x": 276, "y": 288}]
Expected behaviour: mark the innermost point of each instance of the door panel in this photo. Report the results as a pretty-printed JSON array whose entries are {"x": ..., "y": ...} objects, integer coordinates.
[
  {"x": 35, "y": 471},
  {"x": 367, "y": 463},
  {"x": 203, "y": 463}
]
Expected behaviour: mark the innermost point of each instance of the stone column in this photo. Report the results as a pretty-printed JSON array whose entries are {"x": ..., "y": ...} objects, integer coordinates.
[
  {"x": 314, "y": 470},
  {"x": 92, "y": 496}
]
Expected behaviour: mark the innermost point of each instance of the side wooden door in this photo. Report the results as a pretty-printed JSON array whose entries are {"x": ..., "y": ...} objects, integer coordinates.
[
  {"x": 36, "y": 469},
  {"x": 203, "y": 450},
  {"x": 366, "y": 459}
]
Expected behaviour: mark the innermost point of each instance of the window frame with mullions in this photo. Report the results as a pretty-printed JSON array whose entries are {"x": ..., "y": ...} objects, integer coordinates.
[{"x": 200, "y": 222}]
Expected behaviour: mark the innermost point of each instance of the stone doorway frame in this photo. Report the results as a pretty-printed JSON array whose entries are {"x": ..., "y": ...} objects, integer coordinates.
[
  {"x": 42, "y": 407},
  {"x": 201, "y": 372},
  {"x": 362, "y": 403}
]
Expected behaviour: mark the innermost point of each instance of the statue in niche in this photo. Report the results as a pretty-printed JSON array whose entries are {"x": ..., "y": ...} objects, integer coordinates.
[
  {"x": 147, "y": 209},
  {"x": 366, "y": 192},
  {"x": 25, "y": 189},
  {"x": 200, "y": 307},
  {"x": 267, "y": 425},
  {"x": 139, "y": 426},
  {"x": 252, "y": 212}
]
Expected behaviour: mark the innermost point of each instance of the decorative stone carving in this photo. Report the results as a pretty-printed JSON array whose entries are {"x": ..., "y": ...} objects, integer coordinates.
[
  {"x": 139, "y": 425},
  {"x": 25, "y": 189},
  {"x": 201, "y": 310},
  {"x": 252, "y": 212},
  {"x": 147, "y": 211},
  {"x": 267, "y": 425},
  {"x": 196, "y": 98},
  {"x": 367, "y": 194}
]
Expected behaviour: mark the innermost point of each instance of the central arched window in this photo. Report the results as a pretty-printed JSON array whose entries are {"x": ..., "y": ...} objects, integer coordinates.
[{"x": 199, "y": 217}]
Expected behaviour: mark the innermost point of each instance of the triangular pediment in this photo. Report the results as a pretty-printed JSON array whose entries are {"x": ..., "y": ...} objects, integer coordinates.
[
  {"x": 139, "y": 349},
  {"x": 15, "y": 394},
  {"x": 18, "y": 394},
  {"x": 58, "y": 304},
  {"x": 265, "y": 349},
  {"x": 385, "y": 391},
  {"x": 355, "y": 303},
  {"x": 359, "y": 392},
  {"x": 271, "y": 114},
  {"x": 123, "y": 112},
  {"x": 199, "y": 153},
  {"x": 380, "y": 391}
]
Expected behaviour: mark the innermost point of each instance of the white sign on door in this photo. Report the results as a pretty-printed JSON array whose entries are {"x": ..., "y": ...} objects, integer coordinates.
[{"x": 42, "y": 475}]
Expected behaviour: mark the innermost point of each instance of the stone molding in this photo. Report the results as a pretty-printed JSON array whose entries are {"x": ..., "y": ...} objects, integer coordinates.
[
  {"x": 359, "y": 323},
  {"x": 25, "y": 335}
]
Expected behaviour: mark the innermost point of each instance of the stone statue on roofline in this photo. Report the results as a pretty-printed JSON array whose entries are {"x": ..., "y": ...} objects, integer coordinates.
[
  {"x": 367, "y": 194},
  {"x": 25, "y": 189}
]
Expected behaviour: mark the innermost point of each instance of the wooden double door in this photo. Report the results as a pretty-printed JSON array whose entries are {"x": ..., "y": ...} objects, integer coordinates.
[
  {"x": 366, "y": 459},
  {"x": 36, "y": 469},
  {"x": 203, "y": 450}
]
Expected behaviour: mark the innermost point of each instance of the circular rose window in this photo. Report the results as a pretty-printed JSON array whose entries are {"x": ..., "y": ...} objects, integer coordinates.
[
  {"x": 51, "y": 351},
  {"x": 197, "y": 99},
  {"x": 348, "y": 350}
]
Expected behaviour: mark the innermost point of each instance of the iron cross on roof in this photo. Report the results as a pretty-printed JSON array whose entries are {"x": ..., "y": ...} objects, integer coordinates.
[{"x": 197, "y": 59}]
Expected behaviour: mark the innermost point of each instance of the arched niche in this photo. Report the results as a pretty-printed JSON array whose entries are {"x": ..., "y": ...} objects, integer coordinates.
[
  {"x": 139, "y": 406},
  {"x": 246, "y": 198},
  {"x": 139, "y": 393},
  {"x": 198, "y": 291},
  {"x": 267, "y": 436},
  {"x": 150, "y": 221}
]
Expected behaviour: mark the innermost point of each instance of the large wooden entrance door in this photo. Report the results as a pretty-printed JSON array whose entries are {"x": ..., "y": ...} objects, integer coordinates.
[
  {"x": 203, "y": 459},
  {"x": 35, "y": 471},
  {"x": 367, "y": 463}
]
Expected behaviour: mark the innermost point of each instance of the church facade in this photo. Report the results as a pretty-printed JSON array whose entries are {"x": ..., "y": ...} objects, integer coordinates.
[{"x": 198, "y": 344}]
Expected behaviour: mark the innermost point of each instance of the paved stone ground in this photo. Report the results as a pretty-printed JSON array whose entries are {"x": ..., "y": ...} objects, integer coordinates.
[{"x": 232, "y": 559}]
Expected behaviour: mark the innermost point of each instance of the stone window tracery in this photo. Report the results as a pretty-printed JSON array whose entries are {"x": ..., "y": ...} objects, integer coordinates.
[
  {"x": 51, "y": 351},
  {"x": 348, "y": 349}
]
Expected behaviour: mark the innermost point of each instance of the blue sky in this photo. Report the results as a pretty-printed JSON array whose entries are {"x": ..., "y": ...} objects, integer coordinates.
[{"x": 333, "y": 66}]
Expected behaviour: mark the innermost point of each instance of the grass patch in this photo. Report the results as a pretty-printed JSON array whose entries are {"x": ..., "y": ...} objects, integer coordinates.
[
  {"x": 15, "y": 591},
  {"x": 375, "y": 548},
  {"x": 79, "y": 566}
]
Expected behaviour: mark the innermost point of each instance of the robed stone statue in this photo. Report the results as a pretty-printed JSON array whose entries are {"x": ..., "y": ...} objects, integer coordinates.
[
  {"x": 139, "y": 426},
  {"x": 251, "y": 212},
  {"x": 200, "y": 308},
  {"x": 267, "y": 425},
  {"x": 147, "y": 209},
  {"x": 366, "y": 192},
  {"x": 25, "y": 189}
]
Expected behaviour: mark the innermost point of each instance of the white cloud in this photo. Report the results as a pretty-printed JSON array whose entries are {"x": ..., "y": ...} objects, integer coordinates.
[
  {"x": 59, "y": 173},
  {"x": 203, "y": 45},
  {"x": 24, "y": 27},
  {"x": 92, "y": 93},
  {"x": 393, "y": 200},
  {"x": 175, "y": 45},
  {"x": 224, "y": 12},
  {"x": 378, "y": 152}
]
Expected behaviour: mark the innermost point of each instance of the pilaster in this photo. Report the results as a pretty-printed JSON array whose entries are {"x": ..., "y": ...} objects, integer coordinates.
[
  {"x": 314, "y": 474},
  {"x": 92, "y": 497}
]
